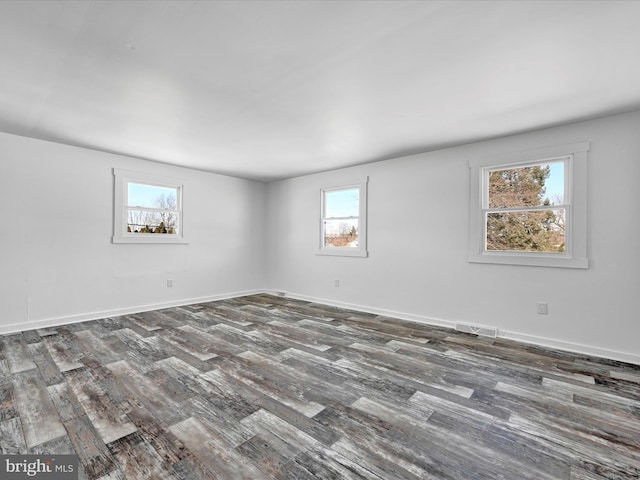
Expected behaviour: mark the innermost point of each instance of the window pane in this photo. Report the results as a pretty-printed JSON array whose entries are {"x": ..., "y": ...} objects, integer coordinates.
[
  {"x": 141, "y": 221},
  {"x": 342, "y": 203},
  {"x": 527, "y": 186},
  {"x": 341, "y": 233},
  {"x": 537, "y": 231},
  {"x": 151, "y": 196}
]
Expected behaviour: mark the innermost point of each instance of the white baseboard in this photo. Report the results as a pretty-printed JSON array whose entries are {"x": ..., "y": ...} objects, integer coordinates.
[
  {"x": 366, "y": 309},
  {"x": 519, "y": 337},
  {"x": 571, "y": 347},
  {"x": 84, "y": 317}
]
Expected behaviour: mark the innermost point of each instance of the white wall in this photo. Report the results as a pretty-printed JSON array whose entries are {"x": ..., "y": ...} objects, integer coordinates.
[
  {"x": 57, "y": 260},
  {"x": 418, "y": 233},
  {"x": 58, "y": 263}
]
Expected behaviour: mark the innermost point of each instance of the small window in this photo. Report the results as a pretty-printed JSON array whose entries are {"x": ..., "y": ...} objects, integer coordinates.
[
  {"x": 343, "y": 220},
  {"x": 148, "y": 209},
  {"x": 531, "y": 211}
]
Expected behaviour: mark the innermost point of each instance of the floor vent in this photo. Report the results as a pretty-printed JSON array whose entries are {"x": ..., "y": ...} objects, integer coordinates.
[{"x": 477, "y": 330}]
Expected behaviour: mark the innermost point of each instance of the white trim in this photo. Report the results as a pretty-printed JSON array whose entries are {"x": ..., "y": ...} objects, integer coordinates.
[
  {"x": 439, "y": 322},
  {"x": 120, "y": 235},
  {"x": 361, "y": 250},
  {"x": 85, "y": 317},
  {"x": 534, "y": 155},
  {"x": 575, "y": 205},
  {"x": 571, "y": 347},
  {"x": 343, "y": 251},
  {"x": 365, "y": 309}
]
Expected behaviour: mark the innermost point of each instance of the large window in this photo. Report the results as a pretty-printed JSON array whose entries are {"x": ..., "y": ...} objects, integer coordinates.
[
  {"x": 343, "y": 222},
  {"x": 525, "y": 209},
  {"x": 530, "y": 208},
  {"x": 147, "y": 208}
]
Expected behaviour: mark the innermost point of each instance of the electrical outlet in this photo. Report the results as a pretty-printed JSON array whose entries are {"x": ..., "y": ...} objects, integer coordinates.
[
  {"x": 169, "y": 283},
  {"x": 336, "y": 283},
  {"x": 543, "y": 308}
]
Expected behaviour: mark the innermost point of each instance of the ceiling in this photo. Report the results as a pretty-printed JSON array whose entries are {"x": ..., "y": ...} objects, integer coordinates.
[{"x": 275, "y": 89}]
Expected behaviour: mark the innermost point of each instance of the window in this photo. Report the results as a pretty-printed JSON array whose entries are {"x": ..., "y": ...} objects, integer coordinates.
[
  {"x": 530, "y": 208},
  {"x": 343, "y": 222},
  {"x": 147, "y": 208}
]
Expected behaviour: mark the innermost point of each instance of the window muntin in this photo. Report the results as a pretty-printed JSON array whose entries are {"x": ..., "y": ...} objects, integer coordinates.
[
  {"x": 147, "y": 208},
  {"x": 343, "y": 220},
  {"x": 553, "y": 219}
]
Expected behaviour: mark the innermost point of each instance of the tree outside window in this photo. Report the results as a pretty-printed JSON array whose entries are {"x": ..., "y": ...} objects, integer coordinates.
[
  {"x": 521, "y": 214},
  {"x": 530, "y": 207},
  {"x": 152, "y": 209},
  {"x": 147, "y": 208}
]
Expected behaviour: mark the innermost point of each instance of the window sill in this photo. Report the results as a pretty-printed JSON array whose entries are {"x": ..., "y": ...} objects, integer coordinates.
[
  {"x": 343, "y": 252},
  {"x": 150, "y": 238},
  {"x": 529, "y": 259}
]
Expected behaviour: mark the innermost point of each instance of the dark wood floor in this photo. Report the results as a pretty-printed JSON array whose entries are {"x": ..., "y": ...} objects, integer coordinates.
[{"x": 264, "y": 387}]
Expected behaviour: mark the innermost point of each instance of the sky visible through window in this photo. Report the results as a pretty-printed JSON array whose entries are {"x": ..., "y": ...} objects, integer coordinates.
[
  {"x": 345, "y": 203},
  {"x": 339, "y": 203},
  {"x": 141, "y": 195},
  {"x": 554, "y": 186},
  {"x": 342, "y": 203}
]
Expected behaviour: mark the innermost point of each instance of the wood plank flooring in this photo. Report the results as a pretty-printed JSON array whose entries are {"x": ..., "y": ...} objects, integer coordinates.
[{"x": 264, "y": 387}]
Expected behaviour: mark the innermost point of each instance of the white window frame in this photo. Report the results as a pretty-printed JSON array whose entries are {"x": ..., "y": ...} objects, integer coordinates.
[
  {"x": 122, "y": 178},
  {"x": 361, "y": 249},
  {"x": 575, "y": 204}
]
